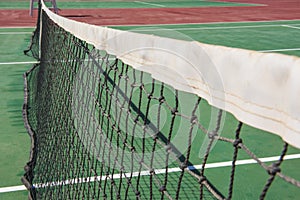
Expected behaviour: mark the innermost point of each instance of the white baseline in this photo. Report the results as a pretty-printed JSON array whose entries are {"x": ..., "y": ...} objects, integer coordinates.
[{"x": 157, "y": 171}]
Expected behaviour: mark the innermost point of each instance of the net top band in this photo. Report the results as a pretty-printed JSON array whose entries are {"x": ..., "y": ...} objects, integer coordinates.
[{"x": 259, "y": 89}]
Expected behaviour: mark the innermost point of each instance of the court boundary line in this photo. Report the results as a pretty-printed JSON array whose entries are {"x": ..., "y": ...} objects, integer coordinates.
[
  {"x": 279, "y": 50},
  {"x": 19, "y": 63},
  {"x": 15, "y": 33},
  {"x": 204, "y": 23},
  {"x": 220, "y": 27},
  {"x": 236, "y": 27},
  {"x": 293, "y": 27},
  {"x": 147, "y": 173}
]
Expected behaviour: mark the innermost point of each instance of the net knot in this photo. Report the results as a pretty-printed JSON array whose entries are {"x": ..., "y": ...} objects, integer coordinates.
[
  {"x": 182, "y": 166},
  {"x": 202, "y": 179},
  {"x": 132, "y": 149},
  {"x": 193, "y": 119},
  {"x": 152, "y": 172},
  {"x": 137, "y": 193},
  {"x": 142, "y": 86},
  {"x": 136, "y": 120},
  {"x": 212, "y": 134},
  {"x": 161, "y": 99},
  {"x": 162, "y": 188},
  {"x": 126, "y": 77},
  {"x": 174, "y": 111},
  {"x": 274, "y": 169},
  {"x": 168, "y": 148},
  {"x": 141, "y": 161},
  {"x": 237, "y": 142},
  {"x": 150, "y": 96},
  {"x": 115, "y": 67},
  {"x": 155, "y": 137}
]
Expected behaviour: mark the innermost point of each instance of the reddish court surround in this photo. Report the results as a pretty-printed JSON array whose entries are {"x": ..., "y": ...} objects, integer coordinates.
[{"x": 269, "y": 10}]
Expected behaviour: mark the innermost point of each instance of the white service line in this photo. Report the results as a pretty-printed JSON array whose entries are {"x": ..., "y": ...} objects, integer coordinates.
[
  {"x": 18, "y": 63},
  {"x": 145, "y": 173},
  {"x": 227, "y": 27},
  {"x": 279, "y": 50},
  {"x": 15, "y": 33},
  {"x": 150, "y": 4},
  {"x": 12, "y": 189},
  {"x": 16, "y": 27},
  {"x": 215, "y": 23},
  {"x": 206, "y": 23},
  {"x": 214, "y": 28},
  {"x": 289, "y": 26}
]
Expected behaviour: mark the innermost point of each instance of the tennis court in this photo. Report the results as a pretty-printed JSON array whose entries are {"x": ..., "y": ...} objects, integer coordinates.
[{"x": 278, "y": 36}]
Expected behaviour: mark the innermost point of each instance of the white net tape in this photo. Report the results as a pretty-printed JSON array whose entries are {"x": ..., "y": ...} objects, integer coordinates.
[{"x": 259, "y": 89}]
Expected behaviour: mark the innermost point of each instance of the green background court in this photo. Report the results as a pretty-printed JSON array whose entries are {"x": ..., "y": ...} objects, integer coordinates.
[{"x": 66, "y": 4}]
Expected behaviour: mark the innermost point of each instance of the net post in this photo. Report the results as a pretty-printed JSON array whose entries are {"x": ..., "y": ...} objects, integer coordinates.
[
  {"x": 40, "y": 29},
  {"x": 31, "y": 7}
]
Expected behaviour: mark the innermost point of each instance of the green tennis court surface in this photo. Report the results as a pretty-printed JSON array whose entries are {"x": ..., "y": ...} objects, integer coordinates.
[
  {"x": 14, "y": 141},
  {"x": 281, "y": 37},
  {"x": 125, "y": 4}
]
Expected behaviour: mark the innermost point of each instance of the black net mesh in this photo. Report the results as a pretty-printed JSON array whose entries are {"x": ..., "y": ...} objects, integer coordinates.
[{"x": 103, "y": 130}]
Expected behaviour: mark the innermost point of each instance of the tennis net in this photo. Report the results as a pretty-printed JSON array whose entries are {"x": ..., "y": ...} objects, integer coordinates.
[{"x": 121, "y": 115}]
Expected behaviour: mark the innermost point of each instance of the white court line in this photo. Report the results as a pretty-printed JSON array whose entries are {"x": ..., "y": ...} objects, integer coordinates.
[
  {"x": 14, "y": 33},
  {"x": 215, "y": 28},
  {"x": 16, "y": 27},
  {"x": 151, "y": 4},
  {"x": 279, "y": 50},
  {"x": 207, "y": 23},
  {"x": 18, "y": 63},
  {"x": 289, "y": 26},
  {"x": 145, "y": 173},
  {"x": 12, "y": 189}
]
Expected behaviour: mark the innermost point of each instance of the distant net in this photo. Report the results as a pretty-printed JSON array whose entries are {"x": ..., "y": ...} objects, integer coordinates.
[{"x": 102, "y": 129}]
